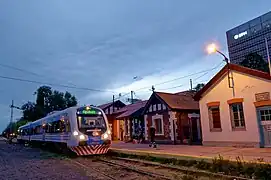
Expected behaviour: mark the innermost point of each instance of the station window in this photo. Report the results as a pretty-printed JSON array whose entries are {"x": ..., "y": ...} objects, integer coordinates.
[
  {"x": 158, "y": 123},
  {"x": 237, "y": 116},
  {"x": 214, "y": 118}
]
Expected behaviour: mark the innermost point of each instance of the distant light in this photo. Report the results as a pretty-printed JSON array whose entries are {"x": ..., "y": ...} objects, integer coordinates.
[
  {"x": 211, "y": 48},
  {"x": 87, "y": 108}
]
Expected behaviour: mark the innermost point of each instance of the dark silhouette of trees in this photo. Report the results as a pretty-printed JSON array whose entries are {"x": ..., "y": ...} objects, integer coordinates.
[
  {"x": 255, "y": 61},
  {"x": 47, "y": 101},
  {"x": 198, "y": 87}
]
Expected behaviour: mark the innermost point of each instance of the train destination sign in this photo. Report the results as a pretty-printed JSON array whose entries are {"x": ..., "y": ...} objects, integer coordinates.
[{"x": 89, "y": 112}]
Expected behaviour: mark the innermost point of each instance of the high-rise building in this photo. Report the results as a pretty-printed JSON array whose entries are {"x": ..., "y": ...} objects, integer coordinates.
[{"x": 250, "y": 38}]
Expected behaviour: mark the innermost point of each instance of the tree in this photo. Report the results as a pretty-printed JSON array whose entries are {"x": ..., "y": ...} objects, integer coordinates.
[
  {"x": 69, "y": 100},
  {"x": 198, "y": 87},
  {"x": 255, "y": 61},
  {"x": 46, "y": 102},
  {"x": 31, "y": 111}
]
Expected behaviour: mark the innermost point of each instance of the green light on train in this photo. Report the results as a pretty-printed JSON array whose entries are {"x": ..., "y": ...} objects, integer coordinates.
[{"x": 89, "y": 112}]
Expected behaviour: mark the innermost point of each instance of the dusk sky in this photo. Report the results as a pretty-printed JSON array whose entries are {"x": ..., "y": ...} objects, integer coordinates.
[{"x": 104, "y": 44}]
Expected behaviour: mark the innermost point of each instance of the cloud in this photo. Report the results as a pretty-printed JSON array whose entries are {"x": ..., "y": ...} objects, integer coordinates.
[
  {"x": 178, "y": 80},
  {"x": 104, "y": 45}
]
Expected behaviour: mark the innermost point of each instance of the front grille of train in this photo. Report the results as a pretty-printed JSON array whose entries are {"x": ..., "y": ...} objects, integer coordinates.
[{"x": 91, "y": 133}]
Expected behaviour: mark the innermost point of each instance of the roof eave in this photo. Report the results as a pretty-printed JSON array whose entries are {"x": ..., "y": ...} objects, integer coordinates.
[{"x": 186, "y": 109}]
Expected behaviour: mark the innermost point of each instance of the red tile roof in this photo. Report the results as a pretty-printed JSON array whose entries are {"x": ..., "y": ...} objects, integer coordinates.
[
  {"x": 223, "y": 72},
  {"x": 103, "y": 106},
  {"x": 130, "y": 109},
  {"x": 182, "y": 100}
]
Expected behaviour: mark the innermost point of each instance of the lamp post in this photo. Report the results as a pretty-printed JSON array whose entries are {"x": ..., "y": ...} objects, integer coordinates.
[{"x": 212, "y": 48}]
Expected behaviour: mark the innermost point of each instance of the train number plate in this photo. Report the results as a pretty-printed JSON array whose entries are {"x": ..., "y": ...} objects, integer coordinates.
[{"x": 94, "y": 140}]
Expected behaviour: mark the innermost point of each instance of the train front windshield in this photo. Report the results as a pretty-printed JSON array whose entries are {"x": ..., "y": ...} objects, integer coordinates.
[{"x": 89, "y": 120}]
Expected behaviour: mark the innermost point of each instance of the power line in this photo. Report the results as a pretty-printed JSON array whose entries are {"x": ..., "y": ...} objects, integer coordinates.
[
  {"x": 171, "y": 87},
  {"x": 52, "y": 84},
  {"x": 195, "y": 78},
  {"x": 182, "y": 77},
  {"x": 208, "y": 71},
  {"x": 19, "y": 69},
  {"x": 26, "y": 71}
]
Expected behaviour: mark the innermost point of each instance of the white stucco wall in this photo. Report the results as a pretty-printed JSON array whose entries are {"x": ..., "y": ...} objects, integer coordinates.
[{"x": 245, "y": 87}]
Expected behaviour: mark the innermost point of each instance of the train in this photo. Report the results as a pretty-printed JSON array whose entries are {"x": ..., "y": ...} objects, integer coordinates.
[{"x": 83, "y": 130}]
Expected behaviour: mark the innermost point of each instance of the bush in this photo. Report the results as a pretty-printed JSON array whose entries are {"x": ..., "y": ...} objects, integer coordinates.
[{"x": 240, "y": 168}]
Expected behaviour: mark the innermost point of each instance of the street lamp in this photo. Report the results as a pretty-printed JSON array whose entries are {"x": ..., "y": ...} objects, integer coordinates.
[{"x": 212, "y": 48}]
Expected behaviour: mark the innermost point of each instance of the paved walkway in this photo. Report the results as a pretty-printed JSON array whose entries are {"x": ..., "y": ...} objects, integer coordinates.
[{"x": 247, "y": 154}]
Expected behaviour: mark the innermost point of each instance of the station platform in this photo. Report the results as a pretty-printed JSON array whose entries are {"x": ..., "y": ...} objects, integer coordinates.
[{"x": 192, "y": 152}]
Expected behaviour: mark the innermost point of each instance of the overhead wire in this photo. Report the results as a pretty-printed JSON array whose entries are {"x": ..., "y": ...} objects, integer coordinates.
[
  {"x": 182, "y": 77},
  {"x": 98, "y": 90},
  {"x": 195, "y": 78},
  {"x": 26, "y": 71},
  {"x": 53, "y": 84}
]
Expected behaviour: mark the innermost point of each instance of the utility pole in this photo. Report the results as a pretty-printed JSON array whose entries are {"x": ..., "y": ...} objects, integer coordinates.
[
  {"x": 191, "y": 85},
  {"x": 268, "y": 56},
  {"x": 11, "y": 114},
  {"x": 113, "y": 103},
  {"x": 132, "y": 98}
]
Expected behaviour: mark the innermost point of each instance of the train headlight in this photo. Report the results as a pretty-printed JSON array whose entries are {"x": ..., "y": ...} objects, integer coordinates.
[
  {"x": 105, "y": 136},
  {"x": 81, "y": 137},
  {"x": 75, "y": 133}
]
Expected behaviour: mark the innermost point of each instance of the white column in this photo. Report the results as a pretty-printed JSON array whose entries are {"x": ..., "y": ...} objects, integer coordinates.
[
  {"x": 128, "y": 122},
  {"x": 172, "y": 119},
  {"x": 146, "y": 126},
  {"x": 125, "y": 123},
  {"x": 118, "y": 128}
]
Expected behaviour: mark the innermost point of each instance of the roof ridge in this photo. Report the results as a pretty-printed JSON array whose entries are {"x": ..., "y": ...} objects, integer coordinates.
[{"x": 232, "y": 67}]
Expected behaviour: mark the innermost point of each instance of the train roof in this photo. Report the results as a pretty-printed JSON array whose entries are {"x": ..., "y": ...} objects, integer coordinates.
[
  {"x": 26, "y": 125},
  {"x": 55, "y": 113}
]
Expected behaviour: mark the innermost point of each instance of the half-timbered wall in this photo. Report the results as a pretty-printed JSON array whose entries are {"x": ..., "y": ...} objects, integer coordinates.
[
  {"x": 157, "y": 110},
  {"x": 109, "y": 110}
]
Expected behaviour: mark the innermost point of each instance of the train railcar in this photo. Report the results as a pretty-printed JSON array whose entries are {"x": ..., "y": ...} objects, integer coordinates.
[
  {"x": 24, "y": 133},
  {"x": 84, "y": 130}
]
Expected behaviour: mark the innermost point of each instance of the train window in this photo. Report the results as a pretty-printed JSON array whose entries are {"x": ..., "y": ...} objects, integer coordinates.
[
  {"x": 68, "y": 126},
  {"x": 29, "y": 131},
  {"x": 54, "y": 127},
  {"x": 50, "y": 128},
  {"x": 62, "y": 125},
  {"x": 38, "y": 130}
]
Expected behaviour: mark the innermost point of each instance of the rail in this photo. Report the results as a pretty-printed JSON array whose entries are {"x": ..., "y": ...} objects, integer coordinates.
[
  {"x": 140, "y": 171},
  {"x": 95, "y": 169},
  {"x": 111, "y": 163},
  {"x": 185, "y": 170}
]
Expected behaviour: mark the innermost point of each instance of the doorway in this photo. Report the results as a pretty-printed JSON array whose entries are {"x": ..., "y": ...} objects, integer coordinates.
[
  {"x": 195, "y": 128},
  {"x": 264, "y": 121}
]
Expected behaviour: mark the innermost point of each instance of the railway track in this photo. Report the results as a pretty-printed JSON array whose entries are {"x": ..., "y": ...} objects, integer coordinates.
[
  {"x": 140, "y": 171},
  {"x": 100, "y": 163},
  {"x": 96, "y": 170}
]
